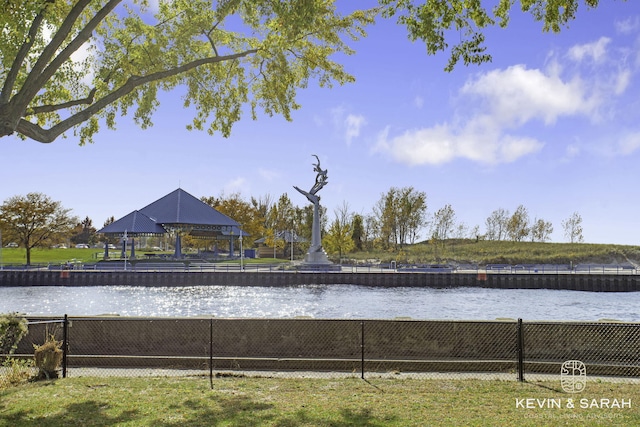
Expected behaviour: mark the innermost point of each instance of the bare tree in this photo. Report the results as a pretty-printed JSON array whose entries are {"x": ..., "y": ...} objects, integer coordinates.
[
  {"x": 371, "y": 231},
  {"x": 443, "y": 223},
  {"x": 475, "y": 232},
  {"x": 496, "y": 224},
  {"x": 573, "y": 228},
  {"x": 461, "y": 231}
]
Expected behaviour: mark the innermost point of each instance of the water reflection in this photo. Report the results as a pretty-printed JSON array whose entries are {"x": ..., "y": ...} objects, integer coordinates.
[{"x": 322, "y": 301}]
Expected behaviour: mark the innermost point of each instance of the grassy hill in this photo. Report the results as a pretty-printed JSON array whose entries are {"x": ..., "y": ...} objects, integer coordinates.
[{"x": 491, "y": 252}]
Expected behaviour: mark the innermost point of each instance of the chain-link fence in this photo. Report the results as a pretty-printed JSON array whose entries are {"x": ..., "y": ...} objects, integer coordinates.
[
  {"x": 304, "y": 347},
  {"x": 607, "y": 349}
]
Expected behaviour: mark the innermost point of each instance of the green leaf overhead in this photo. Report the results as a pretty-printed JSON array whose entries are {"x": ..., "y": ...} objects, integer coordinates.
[{"x": 77, "y": 64}]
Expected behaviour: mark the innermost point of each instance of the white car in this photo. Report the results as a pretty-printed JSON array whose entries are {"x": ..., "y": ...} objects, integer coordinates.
[
  {"x": 11, "y": 245},
  {"x": 82, "y": 246}
]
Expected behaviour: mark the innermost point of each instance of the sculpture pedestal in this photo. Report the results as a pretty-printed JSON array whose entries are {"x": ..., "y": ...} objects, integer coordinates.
[
  {"x": 319, "y": 267},
  {"x": 316, "y": 258}
]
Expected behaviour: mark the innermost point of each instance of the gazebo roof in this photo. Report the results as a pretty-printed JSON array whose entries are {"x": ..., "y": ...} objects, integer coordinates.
[
  {"x": 177, "y": 210},
  {"x": 135, "y": 223},
  {"x": 180, "y": 208}
]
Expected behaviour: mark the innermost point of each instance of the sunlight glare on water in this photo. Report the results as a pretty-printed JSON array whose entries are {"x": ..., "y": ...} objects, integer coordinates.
[{"x": 322, "y": 301}]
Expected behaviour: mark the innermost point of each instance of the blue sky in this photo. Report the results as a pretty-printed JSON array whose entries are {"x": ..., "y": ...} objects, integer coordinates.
[{"x": 553, "y": 123}]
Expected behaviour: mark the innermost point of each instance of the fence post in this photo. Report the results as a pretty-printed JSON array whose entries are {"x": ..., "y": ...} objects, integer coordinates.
[
  {"x": 520, "y": 351},
  {"x": 65, "y": 345},
  {"x": 362, "y": 350},
  {"x": 211, "y": 352}
]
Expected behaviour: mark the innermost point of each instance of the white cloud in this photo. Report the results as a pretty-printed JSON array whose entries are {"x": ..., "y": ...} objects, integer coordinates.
[
  {"x": 81, "y": 60},
  {"x": 154, "y": 5},
  {"x": 572, "y": 150},
  {"x": 627, "y": 144},
  {"x": 338, "y": 114},
  {"x": 348, "y": 125},
  {"x": 628, "y": 26},
  {"x": 318, "y": 120},
  {"x": 421, "y": 146},
  {"x": 85, "y": 56},
  {"x": 494, "y": 107},
  {"x": 499, "y": 101},
  {"x": 510, "y": 148},
  {"x": 353, "y": 124},
  {"x": 268, "y": 175},
  {"x": 596, "y": 51},
  {"x": 442, "y": 144},
  {"x": 517, "y": 94},
  {"x": 622, "y": 80},
  {"x": 237, "y": 185}
]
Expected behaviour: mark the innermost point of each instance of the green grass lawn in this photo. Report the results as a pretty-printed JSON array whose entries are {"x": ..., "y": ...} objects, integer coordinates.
[
  {"x": 46, "y": 255},
  {"x": 238, "y": 401},
  {"x": 59, "y": 256}
]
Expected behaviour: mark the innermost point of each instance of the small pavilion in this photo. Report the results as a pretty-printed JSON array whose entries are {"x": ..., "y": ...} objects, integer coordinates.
[
  {"x": 288, "y": 237},
  {"x": 133, "y": 225},
  {"x": 178, "y": 212}
]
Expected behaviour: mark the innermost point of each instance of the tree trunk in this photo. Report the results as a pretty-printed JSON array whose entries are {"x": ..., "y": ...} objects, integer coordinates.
[{"x": 8, "y": 121}]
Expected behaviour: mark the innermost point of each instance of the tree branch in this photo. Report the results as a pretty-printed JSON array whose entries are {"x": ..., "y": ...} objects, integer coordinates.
[
  {"x": 12, "y": 75},
  {"x": 49, "y": 108},
  {"x": 40, "y": 75},
  {"x": 30, "y": 88},
  {"x": 213, "y": 44},
  {"x": 37, "y": 133}
]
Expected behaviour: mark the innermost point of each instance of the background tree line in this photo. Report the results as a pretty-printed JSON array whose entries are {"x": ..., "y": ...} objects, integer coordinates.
[{"x": 399, "y": 218}]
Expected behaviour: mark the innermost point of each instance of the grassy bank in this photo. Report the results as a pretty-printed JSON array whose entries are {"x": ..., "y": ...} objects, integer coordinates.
[
  {"x": 304, "y": 402},
  {"x": 481, "y": 252},
  {"x": 452, "y": 251}
]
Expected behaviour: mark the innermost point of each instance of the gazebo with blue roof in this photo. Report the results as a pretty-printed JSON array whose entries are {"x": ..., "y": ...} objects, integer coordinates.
[
  {"x": 176, "y": 212},
  {"x": 132, "y": 225}
]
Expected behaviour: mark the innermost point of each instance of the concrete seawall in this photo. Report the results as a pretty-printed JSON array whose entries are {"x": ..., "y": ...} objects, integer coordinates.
[{"x": 566, "y": 281}]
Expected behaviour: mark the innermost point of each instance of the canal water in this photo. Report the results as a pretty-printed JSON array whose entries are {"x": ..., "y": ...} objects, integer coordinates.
[{"x": 323, "y": 301}]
